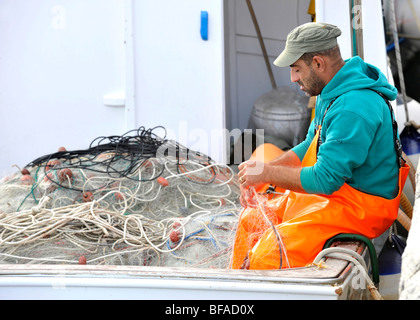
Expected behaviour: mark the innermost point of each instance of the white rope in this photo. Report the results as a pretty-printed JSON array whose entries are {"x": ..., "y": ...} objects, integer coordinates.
[
  {"x": 152, "y": 211},
  {"x": 353, "y": 257}
]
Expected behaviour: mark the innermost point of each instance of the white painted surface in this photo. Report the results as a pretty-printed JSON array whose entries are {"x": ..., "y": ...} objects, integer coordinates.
[
  {"x": 56, "y": 288},
  {"x": 179, "y": 78},
  {"x": 58, "y": 60},
  {"x": 75, "y": 70}
]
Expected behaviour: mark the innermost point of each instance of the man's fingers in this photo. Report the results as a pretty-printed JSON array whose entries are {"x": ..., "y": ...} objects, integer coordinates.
[{"x": 246, "y": 163}]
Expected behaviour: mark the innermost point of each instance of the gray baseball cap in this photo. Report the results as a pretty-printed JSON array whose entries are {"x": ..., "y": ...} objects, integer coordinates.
[{"x": 309, "y": 37}]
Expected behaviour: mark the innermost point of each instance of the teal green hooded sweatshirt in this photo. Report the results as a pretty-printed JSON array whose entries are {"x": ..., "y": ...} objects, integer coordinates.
[{"x": 357, "y": 136}]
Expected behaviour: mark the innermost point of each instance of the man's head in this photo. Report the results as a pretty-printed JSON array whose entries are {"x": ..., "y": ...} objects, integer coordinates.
[{"x": 313, "y": 54}]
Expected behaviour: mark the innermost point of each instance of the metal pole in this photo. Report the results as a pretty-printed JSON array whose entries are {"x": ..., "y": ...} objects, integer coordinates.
[
  {"x": 356, "y": 27},
  {"x": 261, "y": 40}
]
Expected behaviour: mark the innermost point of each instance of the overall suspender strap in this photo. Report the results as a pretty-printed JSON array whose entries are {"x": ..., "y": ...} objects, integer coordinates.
[
  {"x": 320, "y": 125},
  {"x": 397, "y": 142}
]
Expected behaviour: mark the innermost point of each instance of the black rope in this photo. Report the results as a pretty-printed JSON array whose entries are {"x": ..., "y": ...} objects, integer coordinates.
[{"x": 133, "y": 148}]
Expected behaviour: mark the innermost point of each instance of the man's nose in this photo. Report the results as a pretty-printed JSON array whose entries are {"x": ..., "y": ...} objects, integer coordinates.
[{"x": 293, "y": 76}]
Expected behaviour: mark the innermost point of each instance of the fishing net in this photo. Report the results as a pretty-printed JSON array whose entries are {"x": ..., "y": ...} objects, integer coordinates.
[{"x": 135, "y": 199}]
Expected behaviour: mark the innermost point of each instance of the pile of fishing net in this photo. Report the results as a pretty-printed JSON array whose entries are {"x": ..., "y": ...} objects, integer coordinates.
[{"x": 135, "y": 199}]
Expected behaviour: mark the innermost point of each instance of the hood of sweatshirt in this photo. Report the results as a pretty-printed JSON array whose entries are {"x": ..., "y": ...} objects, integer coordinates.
[{"x": 355, "y": 75}]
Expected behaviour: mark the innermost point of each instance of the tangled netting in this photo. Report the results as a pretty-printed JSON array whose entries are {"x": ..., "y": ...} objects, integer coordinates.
[{"x": 135, "y": 199}]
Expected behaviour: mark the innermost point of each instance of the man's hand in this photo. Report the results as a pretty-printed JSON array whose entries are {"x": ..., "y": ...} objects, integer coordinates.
[
  {"x": 252, "y": 174},
  {"x": 257, "y": 174}
]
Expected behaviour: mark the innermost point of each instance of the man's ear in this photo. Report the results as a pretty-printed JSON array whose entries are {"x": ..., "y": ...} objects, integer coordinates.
[{"x": 318, "y": 63}]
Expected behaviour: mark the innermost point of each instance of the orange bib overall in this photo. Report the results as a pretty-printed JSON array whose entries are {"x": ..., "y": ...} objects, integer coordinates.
[{"x": 304, "y": 222}]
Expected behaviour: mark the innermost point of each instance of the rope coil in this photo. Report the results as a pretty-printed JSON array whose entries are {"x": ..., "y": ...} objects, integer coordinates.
[
  {"x": 128, "y": 199},
  {"x": 354, "y": 258}
]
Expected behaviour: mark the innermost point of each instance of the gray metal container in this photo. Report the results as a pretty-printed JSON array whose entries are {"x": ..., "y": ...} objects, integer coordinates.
[{"x": 282, "y": 113}]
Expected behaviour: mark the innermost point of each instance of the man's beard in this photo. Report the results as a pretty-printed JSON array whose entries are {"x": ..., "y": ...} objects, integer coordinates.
[{"x": 314, "y": 84}]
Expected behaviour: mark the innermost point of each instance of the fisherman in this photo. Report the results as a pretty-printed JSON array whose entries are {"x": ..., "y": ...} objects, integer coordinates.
[{"x": 345, "y": 177}]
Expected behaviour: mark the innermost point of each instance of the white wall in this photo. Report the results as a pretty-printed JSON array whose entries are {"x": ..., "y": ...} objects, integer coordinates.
[{"x": 57, "y": 60}]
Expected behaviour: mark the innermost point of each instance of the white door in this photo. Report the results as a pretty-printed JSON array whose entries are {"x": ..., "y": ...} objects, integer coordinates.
[{"x": 178, "y": 78}]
